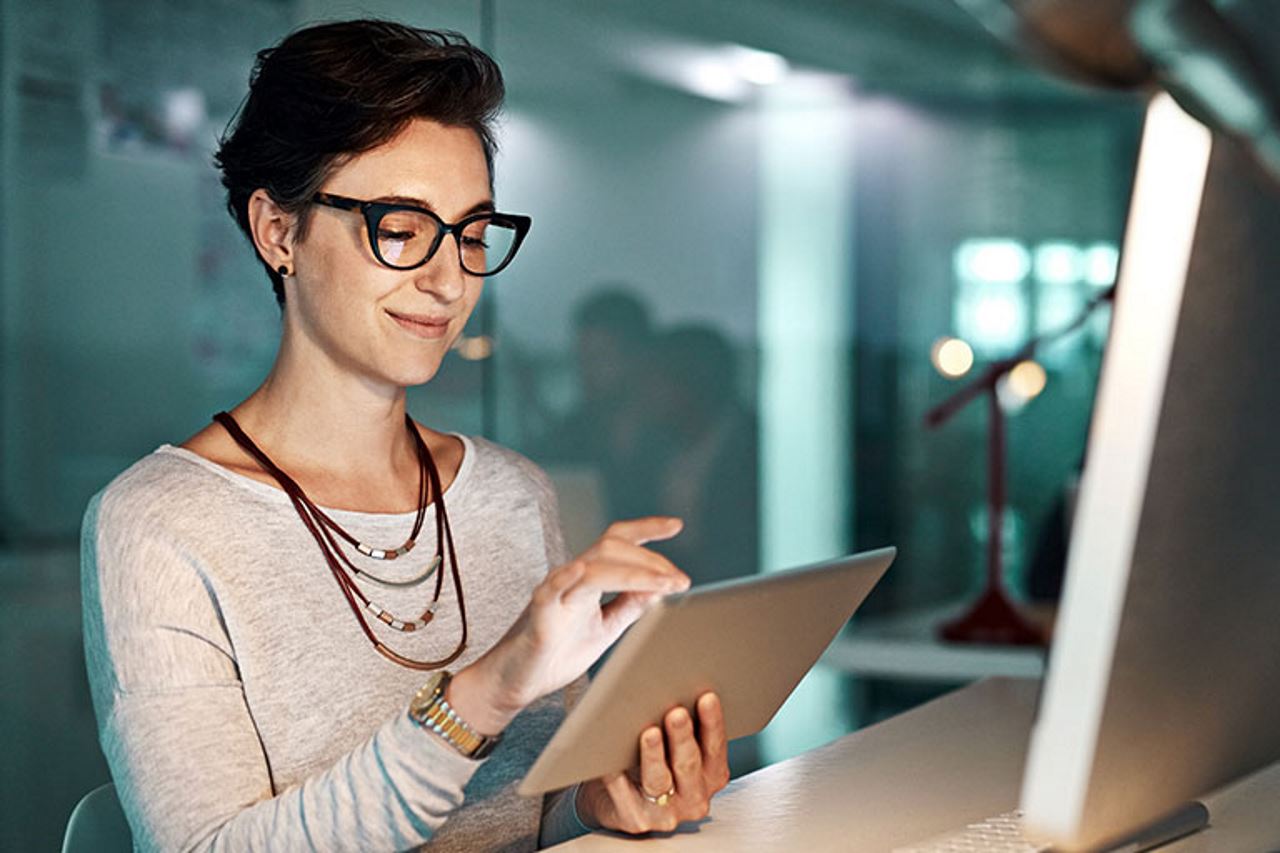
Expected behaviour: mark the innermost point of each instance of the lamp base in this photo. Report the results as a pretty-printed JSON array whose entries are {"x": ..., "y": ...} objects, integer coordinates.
[{"x": 992, "y": 620}]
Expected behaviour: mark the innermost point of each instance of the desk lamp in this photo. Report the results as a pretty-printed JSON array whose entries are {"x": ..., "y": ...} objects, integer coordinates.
[
  {"x": 993, "y": 618},
  {"x": 1206, "y": 55}
]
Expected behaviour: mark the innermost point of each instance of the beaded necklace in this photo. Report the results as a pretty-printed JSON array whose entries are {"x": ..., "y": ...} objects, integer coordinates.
[{"x": 323, "y": 530}]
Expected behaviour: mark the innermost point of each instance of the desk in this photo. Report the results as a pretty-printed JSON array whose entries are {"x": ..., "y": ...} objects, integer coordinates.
[{"x": 933, "y": 769}]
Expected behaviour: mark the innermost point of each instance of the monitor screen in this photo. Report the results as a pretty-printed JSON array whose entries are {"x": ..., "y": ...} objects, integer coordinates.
[{"x": 1164, "y": 678}]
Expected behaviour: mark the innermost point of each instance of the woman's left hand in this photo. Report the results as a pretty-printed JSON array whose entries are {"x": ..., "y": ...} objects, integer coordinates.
[{"x": 677, "y": 779}]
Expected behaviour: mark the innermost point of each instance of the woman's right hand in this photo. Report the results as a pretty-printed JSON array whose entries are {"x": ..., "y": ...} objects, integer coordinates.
[{"x": 565, "y": 627}]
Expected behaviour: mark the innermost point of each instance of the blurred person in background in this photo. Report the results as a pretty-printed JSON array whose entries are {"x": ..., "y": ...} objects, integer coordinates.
[
  {"x": 609, "y": 426},
  {"x": 709, "y": 478}
]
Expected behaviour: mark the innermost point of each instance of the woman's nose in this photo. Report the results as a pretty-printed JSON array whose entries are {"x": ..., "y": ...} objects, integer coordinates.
[{"x": 443, "y": 275}]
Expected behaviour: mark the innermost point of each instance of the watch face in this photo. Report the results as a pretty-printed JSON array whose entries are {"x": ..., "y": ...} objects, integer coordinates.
[{"x": 427, "y": 694}]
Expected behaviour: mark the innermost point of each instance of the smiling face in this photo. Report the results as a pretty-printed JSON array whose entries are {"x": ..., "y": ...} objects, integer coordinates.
[{"x": 346, "y": 312}]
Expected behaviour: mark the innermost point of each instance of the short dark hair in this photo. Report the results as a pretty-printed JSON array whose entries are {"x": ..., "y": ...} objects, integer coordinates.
[{"x": 333, "y": 90}]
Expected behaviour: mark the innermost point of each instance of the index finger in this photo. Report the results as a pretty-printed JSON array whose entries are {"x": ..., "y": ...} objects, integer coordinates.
[
  {"x": 650, "y": 528},
  {"x": 624, "y": 578}
]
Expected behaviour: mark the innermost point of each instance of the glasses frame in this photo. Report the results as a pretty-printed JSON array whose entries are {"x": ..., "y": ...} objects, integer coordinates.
[{"x": 373, "y": 211}]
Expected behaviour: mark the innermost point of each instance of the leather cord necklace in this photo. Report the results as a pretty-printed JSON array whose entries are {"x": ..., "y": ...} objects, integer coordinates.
[
  {"x": 322, "y": 529},
  {"x": 424, "y": 463},
  {"x": 330, "y": 526},
  {"x": 388, "y": 553}
]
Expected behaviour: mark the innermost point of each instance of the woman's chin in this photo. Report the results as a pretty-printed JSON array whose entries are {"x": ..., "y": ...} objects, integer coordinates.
[{"x": 412, "y": 375}]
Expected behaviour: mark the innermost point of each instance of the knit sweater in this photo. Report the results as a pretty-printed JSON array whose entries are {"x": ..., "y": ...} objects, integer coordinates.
[{"x": 241, "y": 707}]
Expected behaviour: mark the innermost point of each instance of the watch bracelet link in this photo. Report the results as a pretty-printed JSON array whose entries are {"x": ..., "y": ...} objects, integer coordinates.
[{"x": 432, "y": 711}]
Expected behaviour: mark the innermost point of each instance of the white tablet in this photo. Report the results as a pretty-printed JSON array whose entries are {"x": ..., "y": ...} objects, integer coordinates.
[{"x": 750, "y": 640}]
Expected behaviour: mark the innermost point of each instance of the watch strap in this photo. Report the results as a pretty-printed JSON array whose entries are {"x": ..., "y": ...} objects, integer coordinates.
[{"x": 431, "y": 710}]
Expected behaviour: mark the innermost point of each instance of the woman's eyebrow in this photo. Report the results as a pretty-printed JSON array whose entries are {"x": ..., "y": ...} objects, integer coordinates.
[{"x": 485, "y": 206}]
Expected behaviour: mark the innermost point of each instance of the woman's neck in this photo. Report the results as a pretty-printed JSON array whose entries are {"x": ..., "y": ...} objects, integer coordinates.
[{"x": 313, "y": 419}]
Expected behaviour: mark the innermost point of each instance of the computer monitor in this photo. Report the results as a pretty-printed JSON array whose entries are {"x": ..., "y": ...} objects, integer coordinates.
[{"x": 1164, "y": 677}]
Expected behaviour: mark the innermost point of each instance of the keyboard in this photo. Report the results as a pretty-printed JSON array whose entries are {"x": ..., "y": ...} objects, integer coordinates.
[{"x": 999, "y": 834}]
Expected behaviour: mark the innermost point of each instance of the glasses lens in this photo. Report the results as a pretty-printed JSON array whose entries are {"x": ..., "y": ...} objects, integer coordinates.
[
  {"x": 405, "y": 237},
  {"x": 487, "y": 244}
]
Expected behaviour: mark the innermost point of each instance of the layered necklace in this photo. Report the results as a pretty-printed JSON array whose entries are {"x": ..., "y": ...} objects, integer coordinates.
[{"x": 326, "y": 532}]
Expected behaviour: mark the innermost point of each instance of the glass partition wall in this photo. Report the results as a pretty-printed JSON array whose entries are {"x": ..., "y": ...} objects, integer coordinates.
[{"x": 752, "y": 229}]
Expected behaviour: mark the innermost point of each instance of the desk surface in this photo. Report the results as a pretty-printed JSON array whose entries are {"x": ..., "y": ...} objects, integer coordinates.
[{"x": 933, "y": 769}]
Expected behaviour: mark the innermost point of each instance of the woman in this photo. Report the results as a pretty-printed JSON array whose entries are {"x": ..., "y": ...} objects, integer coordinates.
[{"x": 264, "y": 603}]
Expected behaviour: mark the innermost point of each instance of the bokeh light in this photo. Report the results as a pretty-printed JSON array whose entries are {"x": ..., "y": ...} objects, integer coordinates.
[
  {"x": 995, "y": 261},
  {"x": 759, "y": 67},
  {"x": 1059, "y": 263},
  {"x": 1027, "y": 379},
  {"x": 1100, "y": 263},
  {"x": 477, "y": 348},
  {"x": 951, "y": 357}
]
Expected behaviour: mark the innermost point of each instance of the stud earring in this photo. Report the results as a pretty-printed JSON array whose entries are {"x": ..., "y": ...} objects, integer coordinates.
[{"x": 283, "y": 270}]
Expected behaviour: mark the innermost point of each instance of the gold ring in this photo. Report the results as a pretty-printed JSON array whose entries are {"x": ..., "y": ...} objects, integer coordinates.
[{"x": 661, "y": 800}]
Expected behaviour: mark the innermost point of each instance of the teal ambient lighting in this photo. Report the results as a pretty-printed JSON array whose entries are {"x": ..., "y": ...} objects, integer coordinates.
[
  {"x": 1058, "y": 263},
  {"x": 992, "y": 261},
  {"x": 990, "y": 310},
  {"x": 1005, "y": 292},
  {"x": 1101, "y": 261},
  {"x": 991, "y": 316},
  {"x": 1057, "y": 305},
  {"x": 807, "y": 135}
]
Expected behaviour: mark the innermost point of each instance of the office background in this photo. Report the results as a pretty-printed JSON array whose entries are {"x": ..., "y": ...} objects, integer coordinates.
[{"x": 755, "y": 220}]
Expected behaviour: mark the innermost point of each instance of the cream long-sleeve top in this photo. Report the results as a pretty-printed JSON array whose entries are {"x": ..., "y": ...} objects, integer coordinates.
[{"x": 241, "y": 707}]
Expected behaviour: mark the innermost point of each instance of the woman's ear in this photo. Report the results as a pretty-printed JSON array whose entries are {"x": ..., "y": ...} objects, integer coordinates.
[{"x": 272, "y": 230}]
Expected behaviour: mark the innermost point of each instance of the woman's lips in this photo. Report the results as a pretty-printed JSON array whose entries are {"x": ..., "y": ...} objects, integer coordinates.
[{"x": 421, "y": 325}]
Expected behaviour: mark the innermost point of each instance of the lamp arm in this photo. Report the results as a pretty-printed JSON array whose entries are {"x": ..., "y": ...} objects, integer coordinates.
[{"x": 985, "y": 381}]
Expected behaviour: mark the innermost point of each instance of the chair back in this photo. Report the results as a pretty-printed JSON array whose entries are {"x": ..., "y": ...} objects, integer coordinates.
[{"x": 97, "y": 824}]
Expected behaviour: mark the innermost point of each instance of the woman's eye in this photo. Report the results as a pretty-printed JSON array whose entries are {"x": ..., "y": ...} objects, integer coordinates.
[
  {"x": 399, "y": 236},
  {"x": 474, "y": 243}
]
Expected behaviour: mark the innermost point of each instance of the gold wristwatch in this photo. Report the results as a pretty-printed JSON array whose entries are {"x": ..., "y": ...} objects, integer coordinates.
[{"x": 430, "y": 710}]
